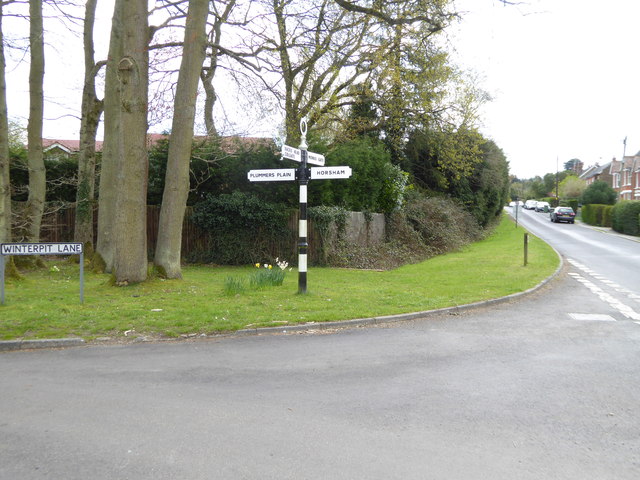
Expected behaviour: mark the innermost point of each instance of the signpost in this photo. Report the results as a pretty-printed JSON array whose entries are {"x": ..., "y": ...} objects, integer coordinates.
[
  {"x": 272, "y": 175},
  {"x": 7, "y": 249},
  {"x": 330, "y": 172},
  {"x": 295, "y": 154},
  {"x": 302, "y": 175}
]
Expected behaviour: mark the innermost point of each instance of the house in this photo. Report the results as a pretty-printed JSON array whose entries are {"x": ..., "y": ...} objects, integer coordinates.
[
  {"x": 597, "y": 172},
  {"x": 55, "y": 148},
  {"x": 625, "y": 177},
  {"x": 59, "y": 149}
]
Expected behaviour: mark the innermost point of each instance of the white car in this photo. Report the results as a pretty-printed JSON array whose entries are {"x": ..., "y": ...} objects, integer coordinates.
[
  {"x": 541, "y": 206},
  {"x": 530, "y": 204}
]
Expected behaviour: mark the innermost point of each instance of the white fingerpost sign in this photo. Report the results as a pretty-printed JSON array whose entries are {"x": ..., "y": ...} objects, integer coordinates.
[
  {"x": 272, "y": 175},
  {"x": 303, "y": 174},
  {"x": 291, "y": 153},
  {"x": 330, "y": 172},
  {"x": 295, "y": 154},
  {"x": 8, "y": 249}
]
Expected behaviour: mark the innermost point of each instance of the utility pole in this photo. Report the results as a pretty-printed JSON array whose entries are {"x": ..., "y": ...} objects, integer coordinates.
[{"x": 557, "y": 175}]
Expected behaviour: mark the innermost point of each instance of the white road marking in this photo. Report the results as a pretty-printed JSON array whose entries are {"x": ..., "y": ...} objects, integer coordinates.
[
  {"x": 624, "y": 309},
  {"x": 596, "y": 317}
]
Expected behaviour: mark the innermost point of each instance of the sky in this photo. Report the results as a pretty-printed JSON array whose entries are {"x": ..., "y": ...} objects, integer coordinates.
[{"x": 562, "y": 75}]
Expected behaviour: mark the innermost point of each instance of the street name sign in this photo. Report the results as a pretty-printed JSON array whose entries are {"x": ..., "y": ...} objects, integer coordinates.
[
  {"x": 318, "y": 173},
  {"x": 41, "y": 248},
  {"x": 9, "y": 249},
  {"x": 315, "y": 158},
  {"x": 295, "y": 154},
  {"x": 272, "y": 175},
  {"x": 291, "y": 153}
]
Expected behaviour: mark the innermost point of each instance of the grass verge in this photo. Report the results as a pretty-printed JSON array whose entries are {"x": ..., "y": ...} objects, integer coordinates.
[{"x": 45, "y": 304}]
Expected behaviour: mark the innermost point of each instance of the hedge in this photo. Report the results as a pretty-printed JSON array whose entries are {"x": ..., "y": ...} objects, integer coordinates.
[
  {"x": 597, "y": 214},
  {"x": 625, "y": 217},
  {"x": 570, "y": 202}
]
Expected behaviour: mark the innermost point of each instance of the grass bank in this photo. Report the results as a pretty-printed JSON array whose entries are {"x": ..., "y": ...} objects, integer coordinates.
[{"x": 45, "y": 304}]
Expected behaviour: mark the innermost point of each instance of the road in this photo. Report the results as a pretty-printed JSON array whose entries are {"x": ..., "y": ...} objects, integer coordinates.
[
  {"x": 544, "y": 387},
  {"x": 612, "y": 260}
]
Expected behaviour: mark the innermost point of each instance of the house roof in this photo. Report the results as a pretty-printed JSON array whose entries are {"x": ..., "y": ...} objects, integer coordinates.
[
  {"x": 228, "y": 144},
  {"x": 627, "y": 163},
  {"x": 69, "y": 146},
  {"x": 595, "y": 170}
]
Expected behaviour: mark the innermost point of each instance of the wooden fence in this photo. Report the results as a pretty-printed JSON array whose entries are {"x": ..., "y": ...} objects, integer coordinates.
[{"x": 58, "y": 226}]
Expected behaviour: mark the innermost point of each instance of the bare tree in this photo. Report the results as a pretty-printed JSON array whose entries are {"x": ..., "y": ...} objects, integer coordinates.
[
  {"x": 310, "y": 53},
  {"x": 176, "y": 188},
  {"x": 208, "y": 73},
  {"x": 122, "y": 243},
  {"x": 91, "y": 111},
  {"x": 111, "y": 150},
  {"x": 5, "y": 185},
  {"x": 37, "y": 177},
  {"x": 130, "y": 261}
]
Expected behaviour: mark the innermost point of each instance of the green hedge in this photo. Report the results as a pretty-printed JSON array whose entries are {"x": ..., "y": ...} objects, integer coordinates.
[
  {"x": 597, "y": 214},
  {"x": 243, "y": 229},
  {"x": 607, "y": 214},
  {"x": 570, "y": 202},
  {"x": 625, "y": 217}
]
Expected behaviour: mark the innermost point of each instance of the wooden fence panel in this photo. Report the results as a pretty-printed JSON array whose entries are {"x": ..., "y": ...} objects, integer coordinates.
[{"x": 58, "y": 226}]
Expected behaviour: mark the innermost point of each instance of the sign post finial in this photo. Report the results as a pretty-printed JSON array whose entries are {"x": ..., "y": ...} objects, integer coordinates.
[{"x": 303, "y": 131}]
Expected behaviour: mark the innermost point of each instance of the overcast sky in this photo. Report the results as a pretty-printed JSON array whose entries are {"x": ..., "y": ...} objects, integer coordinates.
[{"x": 563, "y": 75}]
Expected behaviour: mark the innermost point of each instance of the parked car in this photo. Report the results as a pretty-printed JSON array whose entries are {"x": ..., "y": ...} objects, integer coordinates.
[
  {"x": 563, "y": 214},
  {"x": 518, "y": 203},
  {"x": 542, "y": 206},
  {"x": 530, "y": 204}
]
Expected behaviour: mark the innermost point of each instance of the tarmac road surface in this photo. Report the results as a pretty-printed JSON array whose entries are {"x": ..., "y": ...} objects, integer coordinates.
[{"x": 544, "y": 387}]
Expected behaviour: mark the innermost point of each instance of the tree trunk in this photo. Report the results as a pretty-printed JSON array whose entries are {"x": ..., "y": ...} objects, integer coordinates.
[
  {"x": 111, "y": 150},
  {"x": 208, "y": 74},
  {"x": 130, "y": 261},
  {"x": 37, "y": 179},
  {"x": 209, "y": 102},
  {"x": 5, "y": 188},
  {"x": 91, "y": 111},
  {"x": 176, "y": 187}
]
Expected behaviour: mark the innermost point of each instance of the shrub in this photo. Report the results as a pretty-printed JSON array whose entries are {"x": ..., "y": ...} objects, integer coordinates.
[
  {"x": 625, "y": 217},
  {"x": 440, "y": 223},
  {"x": 330, "y": 223},
  {"x": 571, "y": 202},
  {"x": 213, "y": 170},
  {"x": 593, "y": 214},
  {"x": 607, "y": 213},
  {"x": 376, "y": 185},
  {"x": 425, "y": 227},
  {"x": 599, "y": 192},
  {"x": 241, "y": 226}
]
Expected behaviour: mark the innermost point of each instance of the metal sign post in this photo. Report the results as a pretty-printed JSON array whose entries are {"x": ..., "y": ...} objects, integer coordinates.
[
  {"x": 7, "y": 249},
  {"x": 303, "y": 181},
  {"x": 303, "y": 174}
]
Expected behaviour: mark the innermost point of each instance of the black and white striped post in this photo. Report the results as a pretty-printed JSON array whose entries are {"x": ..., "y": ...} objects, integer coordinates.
[
  {"x": 303, "y": 182},
  {"x": 302, "y": 174}
]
